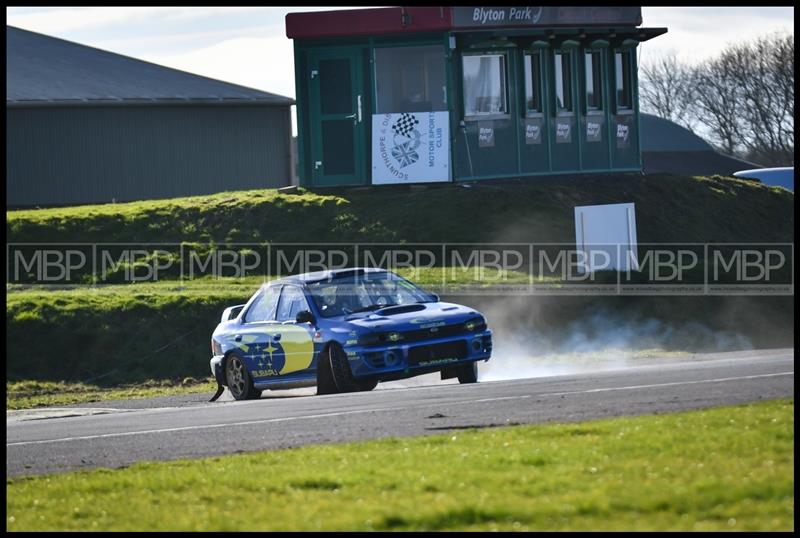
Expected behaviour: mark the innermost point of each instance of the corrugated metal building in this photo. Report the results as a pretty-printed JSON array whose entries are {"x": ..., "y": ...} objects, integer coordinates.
[{"x": 85, "y": 125}]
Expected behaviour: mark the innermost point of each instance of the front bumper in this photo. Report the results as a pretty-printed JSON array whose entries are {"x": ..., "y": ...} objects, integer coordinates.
[
  {"x": 216, "y": 369},
  {"x": 414, "y": 358}
]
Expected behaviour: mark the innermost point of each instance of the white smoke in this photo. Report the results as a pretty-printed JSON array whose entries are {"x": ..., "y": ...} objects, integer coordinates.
[
  {"x": 526, "y": 344},
  {"x": 531, "y": 339}
]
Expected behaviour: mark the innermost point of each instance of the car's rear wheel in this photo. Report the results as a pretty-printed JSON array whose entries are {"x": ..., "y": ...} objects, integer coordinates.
[
  {"x": 239, "y": 381},
  {"x": 342, "y": 375},
  {"x": 468, "y": 373}
]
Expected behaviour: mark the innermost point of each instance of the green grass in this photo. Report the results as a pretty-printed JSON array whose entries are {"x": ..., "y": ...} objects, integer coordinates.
[
  {"x": 31, "y": 394},
  {"x": 728, "y": 468}
]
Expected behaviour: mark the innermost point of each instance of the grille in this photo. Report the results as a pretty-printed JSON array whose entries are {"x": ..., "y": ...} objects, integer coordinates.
[
  {"x": 445, "y": 331},
  {"x": 446, "y": 350}
]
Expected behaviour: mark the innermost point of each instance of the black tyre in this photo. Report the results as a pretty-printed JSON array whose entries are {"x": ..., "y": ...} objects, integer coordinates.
[
  {"x": 325, "y": 384},
  {"x": 341, "y": 374},
  {"x": 239, "y": 381},
  {"x": 468, "y": 373}
]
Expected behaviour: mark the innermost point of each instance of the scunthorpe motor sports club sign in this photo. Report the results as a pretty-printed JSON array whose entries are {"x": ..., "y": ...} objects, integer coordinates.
[{"x": 410, "y": 147}]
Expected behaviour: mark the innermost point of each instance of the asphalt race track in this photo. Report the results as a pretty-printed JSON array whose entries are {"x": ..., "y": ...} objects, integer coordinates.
[{"x": 113, "y": 437}]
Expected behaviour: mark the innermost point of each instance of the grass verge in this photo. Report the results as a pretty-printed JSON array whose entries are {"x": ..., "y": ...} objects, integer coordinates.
[
  {"x": 728, "y": 468},
  {"x": 31, "y": 394}
]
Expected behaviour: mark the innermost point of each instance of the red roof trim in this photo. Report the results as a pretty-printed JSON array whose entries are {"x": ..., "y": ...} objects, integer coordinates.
[
  {"x": 395, "y": 20},
  {"x": 403, "y": 20}
]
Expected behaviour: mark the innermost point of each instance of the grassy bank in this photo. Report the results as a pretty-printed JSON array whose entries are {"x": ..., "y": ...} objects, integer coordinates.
[
  {"x": 727, "y": 468},
  {"x": 668, "y": 209}
]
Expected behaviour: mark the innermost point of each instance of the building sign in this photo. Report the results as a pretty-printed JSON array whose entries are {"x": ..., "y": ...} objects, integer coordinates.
[
  {"x": 485, "y": 134},
  {"x": 470, "y": 17},
  {"x": 594, "y": 128},
  {"x": 623, "y": 131},
  {"x": 410, "y": 147},
  {"x": 533, "y": 130},
  {"x": 563, "y": 131}
]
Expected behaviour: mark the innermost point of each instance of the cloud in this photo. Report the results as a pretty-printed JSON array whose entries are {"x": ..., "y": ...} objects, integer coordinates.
[
  {"x": 61, "y": 20},
  {"x": 696, "y": 34},
  {"x": 262, "y": 63}
]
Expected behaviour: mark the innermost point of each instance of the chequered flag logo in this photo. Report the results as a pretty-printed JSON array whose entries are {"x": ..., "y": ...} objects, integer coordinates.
[{"x": 405, "y": 125}]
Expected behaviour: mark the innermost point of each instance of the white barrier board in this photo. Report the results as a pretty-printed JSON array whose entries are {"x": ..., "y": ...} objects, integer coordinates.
[{"x": 605, "y": 237}]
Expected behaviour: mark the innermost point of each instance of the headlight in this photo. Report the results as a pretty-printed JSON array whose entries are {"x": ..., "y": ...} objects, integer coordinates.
[
  {"x": 216, "y": 348},
  {"x": 475, "y": 325},
  {"x": 375, "y": 339}
]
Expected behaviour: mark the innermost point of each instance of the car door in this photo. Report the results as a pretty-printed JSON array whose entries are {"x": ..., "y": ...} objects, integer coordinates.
[
  {"x": 293, "y": 341},
  {"x": 254, "y": 336}
]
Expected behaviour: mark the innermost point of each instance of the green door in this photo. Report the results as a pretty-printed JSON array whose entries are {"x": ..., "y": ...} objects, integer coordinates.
[{"x": 337, "y": 118}]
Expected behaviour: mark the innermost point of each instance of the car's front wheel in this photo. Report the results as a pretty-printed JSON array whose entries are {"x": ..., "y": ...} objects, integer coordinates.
[
  {"x": 239, "y": 381},
  {"x": 342, "y": 376},
  {"x": 468, "y": 373}
]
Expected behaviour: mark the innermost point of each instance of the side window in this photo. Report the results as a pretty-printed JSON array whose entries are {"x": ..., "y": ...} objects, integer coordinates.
[
  {"x": 263, "y": 308},
  {"x": 410, "y": 79},
  {"x": 484, "y": 84},
  {"x": 563, "y": 80},
  {"x": 594, "y": 86},
  {"x": 622, "y": 78},
  {"x": 292, "y": 301},
  {"x": 533, "y": 82}
]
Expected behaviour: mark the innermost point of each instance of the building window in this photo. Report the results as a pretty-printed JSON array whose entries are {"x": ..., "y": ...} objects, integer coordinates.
[
  {"x": 485, "y": 85},
  {"x": 622, "y": 72},
  {"x": 533, "y": 82},
  {"x": 594, "y": 81},
  {"x": 410, "y": 79},
  {"x": 563, "y": 79}
]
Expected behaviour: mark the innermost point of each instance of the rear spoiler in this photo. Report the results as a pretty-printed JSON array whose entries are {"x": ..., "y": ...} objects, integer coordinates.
[{"x": 231, "y": 312}]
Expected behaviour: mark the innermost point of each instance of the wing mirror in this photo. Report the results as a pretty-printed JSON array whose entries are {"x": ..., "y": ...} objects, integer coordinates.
[{"x": 304, "y": 316}]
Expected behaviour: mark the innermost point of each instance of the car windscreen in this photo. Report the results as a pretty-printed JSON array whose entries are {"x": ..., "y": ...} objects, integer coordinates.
[{"x": 359, "y": 293}]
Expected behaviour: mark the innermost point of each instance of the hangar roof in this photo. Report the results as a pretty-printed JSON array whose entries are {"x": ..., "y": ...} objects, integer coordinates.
[
  {"x": 659, "y": 134},
  {"x": 43, "y": 70}
]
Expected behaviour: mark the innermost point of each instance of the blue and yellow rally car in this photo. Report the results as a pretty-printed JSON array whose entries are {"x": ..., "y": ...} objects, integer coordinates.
[{"x": 343, "y": 331}]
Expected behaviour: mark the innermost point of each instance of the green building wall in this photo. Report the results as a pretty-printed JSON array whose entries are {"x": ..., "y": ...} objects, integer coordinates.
[{"x": 510, "y": 156}]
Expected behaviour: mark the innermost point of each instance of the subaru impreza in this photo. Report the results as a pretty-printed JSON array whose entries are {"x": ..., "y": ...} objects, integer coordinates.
[{"x": 344, "y": 331}]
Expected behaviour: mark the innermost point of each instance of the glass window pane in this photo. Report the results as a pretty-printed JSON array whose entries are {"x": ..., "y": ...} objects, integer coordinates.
[
  {"x": 594, "y": 97},
  {"x": 334, "y": 86},
  {"x": 410, "y": 79},
  {"x": 263, "y": 308},
  {"x": 484, "y": 84},
  {"x": 533, "y": 82},
  {"x": 292, "y": 301},
  {"x": 563, "y": 81},
  {"x": 623, "y": 78}
]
